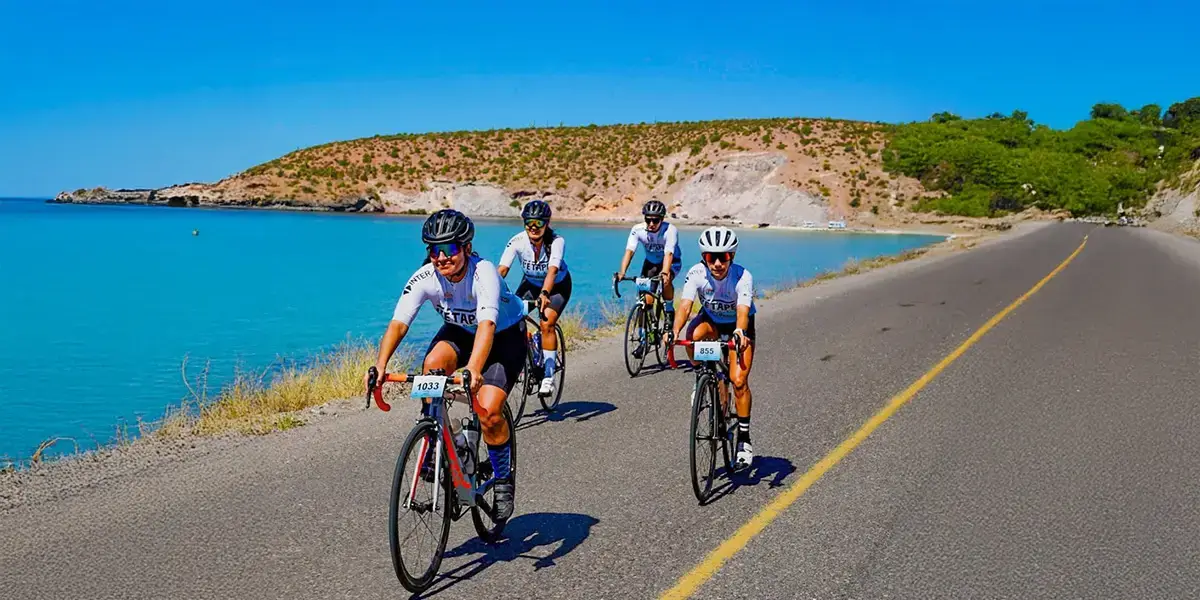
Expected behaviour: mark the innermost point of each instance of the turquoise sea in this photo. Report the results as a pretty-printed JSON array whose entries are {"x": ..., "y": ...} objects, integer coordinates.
[{"x": 100, "y": 305}]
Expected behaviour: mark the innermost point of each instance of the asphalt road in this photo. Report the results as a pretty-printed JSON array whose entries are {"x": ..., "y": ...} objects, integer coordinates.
[{"x": 1056, "y": 457}]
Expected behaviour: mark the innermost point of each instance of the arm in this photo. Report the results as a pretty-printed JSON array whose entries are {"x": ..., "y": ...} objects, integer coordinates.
[
  {"x": 406, "y": 310},
  {"x": 670, "y": 240},
  {"x": 502, "y": 270},
  {"x": 745, "y": 298},
  {"x": 396, "y": 331},
  {"x": 686, "y": 297},
  {"x": 682, "y": 313},
  {"x": 630, "y": 247},
  {"x": 487, "y": 311},
  {"x": 506, "y": 258},
  {"x": 557, "y": 249}
]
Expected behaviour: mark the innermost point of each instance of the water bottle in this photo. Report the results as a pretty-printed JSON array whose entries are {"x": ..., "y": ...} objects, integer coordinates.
[{"x": 471, "y": 443}]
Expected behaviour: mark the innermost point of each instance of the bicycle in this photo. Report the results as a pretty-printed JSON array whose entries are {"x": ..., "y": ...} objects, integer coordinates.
[
  {"x": 534, "y": 370},
  {"x": 462, "y": 476},
  {"x": 649, "y": 323},
  {"x": 713, "y": 421}
]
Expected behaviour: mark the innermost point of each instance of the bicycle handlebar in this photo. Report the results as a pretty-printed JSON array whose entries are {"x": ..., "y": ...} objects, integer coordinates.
[
  {"x": 375, "y": 384},
  {"x": 730, "y": 344},
  {"x": 530, "y": 304},
  {"x": 618, "y": 280}
]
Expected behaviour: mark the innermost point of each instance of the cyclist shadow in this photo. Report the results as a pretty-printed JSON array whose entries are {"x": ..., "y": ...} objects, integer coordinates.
[
  {"x": 524, "y": 535},
  {"x": 578, "y": 411},
  {"x": 771, "y": 469}
]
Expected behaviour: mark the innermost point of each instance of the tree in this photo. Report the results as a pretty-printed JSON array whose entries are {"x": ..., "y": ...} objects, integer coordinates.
[
  {"x": 1109, "y": 111},
  {"x": 945, "y": 117},
  {"x": 1150, "y": 115},
  {"x": 1183, "y": 113}
]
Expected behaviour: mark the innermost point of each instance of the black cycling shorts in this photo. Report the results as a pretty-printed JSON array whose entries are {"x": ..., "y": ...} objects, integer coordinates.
[
  {"x": 503, "y": 363},
  {"x": 560, "y": 293},
  {"x": 650, "y": 269},
  {"x": 724, "y": 330}
]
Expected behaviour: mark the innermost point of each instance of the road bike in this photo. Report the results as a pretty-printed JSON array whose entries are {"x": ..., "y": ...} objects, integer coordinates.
[
  {"x": 534, "y": 370},
  {"x": 459, "y": 481},
  {"x": 646, "y": 325},
  {"x": 713, "y": 421}
]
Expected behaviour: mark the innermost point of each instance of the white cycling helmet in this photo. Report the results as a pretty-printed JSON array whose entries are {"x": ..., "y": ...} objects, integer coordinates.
[{"x": 718, "y": 239}]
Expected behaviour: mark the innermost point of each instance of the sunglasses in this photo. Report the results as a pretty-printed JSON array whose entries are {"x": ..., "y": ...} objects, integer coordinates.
[
  {"x": 653, "y": 220},
  {"x": 711, "y": 257},
  {"x": 535, "y": 223},
  {"x": 449, "y": 249}
]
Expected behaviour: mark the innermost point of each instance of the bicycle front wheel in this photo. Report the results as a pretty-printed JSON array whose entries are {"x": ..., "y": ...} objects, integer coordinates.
[
  {"x": 418, "y": 529},
  {"x": 635, "y": 340},
  {"x": 560, "y": 373},
  {"x": 704, "y": 437}
]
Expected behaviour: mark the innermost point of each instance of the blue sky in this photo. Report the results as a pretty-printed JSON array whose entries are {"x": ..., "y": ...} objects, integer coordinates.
[{"x": 147, "y": 94}]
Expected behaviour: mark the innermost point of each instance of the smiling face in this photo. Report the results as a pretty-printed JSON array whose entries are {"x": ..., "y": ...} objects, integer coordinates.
[
  {"x": 536, "y": 228},
  {"x": 449, "y": 259},
  {"x": 718, "y": 263}
]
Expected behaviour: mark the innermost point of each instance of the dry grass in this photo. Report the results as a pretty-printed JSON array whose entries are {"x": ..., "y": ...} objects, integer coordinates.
[{"x": 257, "y": 403}]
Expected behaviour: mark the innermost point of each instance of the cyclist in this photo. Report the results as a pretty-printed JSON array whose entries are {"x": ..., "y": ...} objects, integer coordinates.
[
  {"x": 661, "y": 241},
  {"x": 483, "y": 331},
  {"x": 546, "y": 277},
  {"x": 726, "y": 294}
]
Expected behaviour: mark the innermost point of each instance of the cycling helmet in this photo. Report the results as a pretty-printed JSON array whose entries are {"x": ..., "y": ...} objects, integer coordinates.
[
  {"x": 536, "y": 209},
  {"x": 718, "y": 239},
  {"x": 654, "y": 208},
  {"x": 447, "y": 225}
]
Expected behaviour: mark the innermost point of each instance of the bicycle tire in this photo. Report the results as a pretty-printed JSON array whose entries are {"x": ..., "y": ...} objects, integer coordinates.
[
  {"x": 560, "y": 372},
  {"x": 704, "y": 411},
  {"x": 421, "y": 582},
  {"x": 636, "y": 319},
  {"x": 660, "y": 324},
  {"x": 491, "y": 535}
]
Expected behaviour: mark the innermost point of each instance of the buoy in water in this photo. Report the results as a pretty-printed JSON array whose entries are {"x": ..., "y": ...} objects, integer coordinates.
[{"x": 195, "y": 232}]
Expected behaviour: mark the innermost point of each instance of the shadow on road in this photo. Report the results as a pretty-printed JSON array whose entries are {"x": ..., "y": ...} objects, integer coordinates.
[
  {"x": 771, "y": 469},
  {"x": 538, "y": 537},
  {"x": 566, "y": 411}
]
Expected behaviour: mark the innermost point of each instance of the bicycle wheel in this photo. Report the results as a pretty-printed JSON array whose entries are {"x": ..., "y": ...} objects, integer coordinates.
[
  {"x": 704, "y": 437},
  {"x": 415, "y": 571},
  {"x": 489, "y": 529},
  {"x": 635, "y": 339},
  {"x": 560, "y": 372},
  {"x": 660, "y": 326},
  {"x": 525, "y": 385}
]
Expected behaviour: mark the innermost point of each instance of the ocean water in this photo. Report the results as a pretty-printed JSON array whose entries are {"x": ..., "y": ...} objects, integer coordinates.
[{"x": 100, "y": 305}]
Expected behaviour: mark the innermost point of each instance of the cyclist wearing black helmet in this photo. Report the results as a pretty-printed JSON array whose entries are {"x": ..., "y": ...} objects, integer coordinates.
[
  {"x": 546, "y": 277},
  {"x": 483, "y": 330},
  {"x": 661, "y": 241}
]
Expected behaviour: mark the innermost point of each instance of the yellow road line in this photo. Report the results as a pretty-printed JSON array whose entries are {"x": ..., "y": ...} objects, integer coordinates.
[{"x": 689, "y": 583}]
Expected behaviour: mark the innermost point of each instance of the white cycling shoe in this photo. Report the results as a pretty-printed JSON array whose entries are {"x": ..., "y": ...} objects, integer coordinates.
[
  {"x": 745, "y": 455},
  {"x": 547, "y": 388}
]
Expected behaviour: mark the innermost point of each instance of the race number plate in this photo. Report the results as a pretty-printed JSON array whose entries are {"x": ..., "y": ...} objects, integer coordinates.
[
  {"x": 707, "y": 350},
  {"x": 428, "y": 386},
  {"x": 643, "y": 284}
]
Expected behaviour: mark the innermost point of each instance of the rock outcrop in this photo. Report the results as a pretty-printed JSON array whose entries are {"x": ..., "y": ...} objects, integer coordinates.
[
  {"x": 737, "y": 187},
  {"x": 206, "y": 195}
]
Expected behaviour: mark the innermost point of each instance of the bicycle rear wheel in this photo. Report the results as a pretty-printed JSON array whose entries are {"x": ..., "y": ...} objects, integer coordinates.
[
  {"x": 704, "y": 437},
  {"x": 525, "y": 386},
  {"x": 489, "y": 529},
  {"x": 414, "y": 569},
  {"x": 635, "y": 340},
  {"x": 560, "y": 372}
]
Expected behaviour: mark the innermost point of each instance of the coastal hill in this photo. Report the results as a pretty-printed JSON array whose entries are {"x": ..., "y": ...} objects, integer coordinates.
[{"x": 782, "y": 171}]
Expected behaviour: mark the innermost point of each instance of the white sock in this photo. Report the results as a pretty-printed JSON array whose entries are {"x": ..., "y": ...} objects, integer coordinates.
[{"x": 551, "y": 357}]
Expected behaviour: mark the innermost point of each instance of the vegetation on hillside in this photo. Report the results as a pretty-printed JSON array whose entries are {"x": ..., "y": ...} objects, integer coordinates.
[{"x": 1002, "y": 164}]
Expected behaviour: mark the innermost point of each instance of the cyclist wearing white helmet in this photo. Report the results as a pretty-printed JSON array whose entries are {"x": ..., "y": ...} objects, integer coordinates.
[
  {"x": 663, "y": 258},
  {"x": 726, "y": 294}
]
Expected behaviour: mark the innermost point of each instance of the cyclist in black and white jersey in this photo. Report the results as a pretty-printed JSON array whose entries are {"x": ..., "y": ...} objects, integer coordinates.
[
  {"x": 483, "y": 332},
  {"x": 546, "y": 277},
  {"x": 661, "y": 241},
  {"x": 725, "y": 291}
]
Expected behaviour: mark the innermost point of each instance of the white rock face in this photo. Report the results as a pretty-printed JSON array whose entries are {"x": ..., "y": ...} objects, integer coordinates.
[
  {"x": 474, "y": 199},
  {"x": 737, "y": 186}
]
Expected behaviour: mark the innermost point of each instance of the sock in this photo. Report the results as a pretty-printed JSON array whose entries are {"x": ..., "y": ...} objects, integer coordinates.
[
  {"x": 500, "y": 457},
  {"x": 551, "y": 357},
  {"x": 744, "y": 429}
]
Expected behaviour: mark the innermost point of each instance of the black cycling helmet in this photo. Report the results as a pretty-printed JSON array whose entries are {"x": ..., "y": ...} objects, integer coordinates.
[
  {"x": 654, "y": 208},
  {"x": 446, "y": 226},
  {"x": 536, "y": 209}
]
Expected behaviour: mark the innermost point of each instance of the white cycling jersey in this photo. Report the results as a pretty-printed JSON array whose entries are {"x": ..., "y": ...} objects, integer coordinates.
[
  {"x": 656, "y": 243},
  {"x": 480, "y": 296},
  {"x": 534, "y": 266},
  {"x": 719, "y": 298}
]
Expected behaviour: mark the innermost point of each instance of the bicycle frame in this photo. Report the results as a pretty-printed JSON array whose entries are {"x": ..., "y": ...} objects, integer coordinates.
[{"x": 466, "y": 487}]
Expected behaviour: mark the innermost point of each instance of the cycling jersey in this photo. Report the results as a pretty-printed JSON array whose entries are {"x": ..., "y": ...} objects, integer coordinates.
[
  {"x": 480, "y": 296},
  {"x": 534, "y": 266},
  {"x": 655, "y": 243},
  {"x": 719, "y": 298}
]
